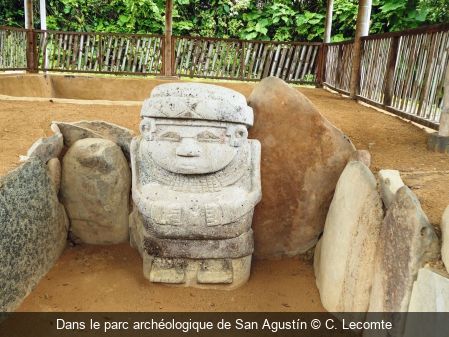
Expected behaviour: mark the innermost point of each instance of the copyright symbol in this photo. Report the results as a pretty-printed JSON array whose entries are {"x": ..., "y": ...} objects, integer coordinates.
[{"x": 315, "y": 324}]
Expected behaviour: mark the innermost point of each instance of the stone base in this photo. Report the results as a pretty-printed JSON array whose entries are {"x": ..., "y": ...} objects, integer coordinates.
[
  {"x": 225, "y": 274},
  {"x": 438, "y": 143}
]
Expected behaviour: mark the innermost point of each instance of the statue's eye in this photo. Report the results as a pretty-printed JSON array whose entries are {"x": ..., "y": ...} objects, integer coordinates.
[
  {"x": 170, "y": 137},
  {"x": 207, "y": 136}
]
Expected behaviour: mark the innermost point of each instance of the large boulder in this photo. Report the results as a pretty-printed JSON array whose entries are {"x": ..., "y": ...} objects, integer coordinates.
[
  {"x": 344, "y": 259},
  {"x": 33, "y": 231},
  {"x": 95, "y": 189},
  {"x": 406, "y": 243},
  {"x": 303, "y": 156}
]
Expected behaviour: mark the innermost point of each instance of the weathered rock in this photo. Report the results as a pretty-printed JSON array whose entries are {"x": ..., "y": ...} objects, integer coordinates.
[
  {"x": 407, "y": 241},
  {"x": 445, "y": 238},
  {"x": 54, "y": 167},
  {"x": 430, "y": 298},
  {"x": 96, "y": 129},
  {"x": 345, "y": 262},
  {"x": 196, "y": 180},
  {"x": 362, "y": 156},
  {"x": 389, "y": 182},
  {"x": 46, "y": 148},
  {"x": 33, "y": 231},
  {"x": 95, "y": 189},
  {"x": 302, "y": 158},
  {"x": 55, "y": 128}
]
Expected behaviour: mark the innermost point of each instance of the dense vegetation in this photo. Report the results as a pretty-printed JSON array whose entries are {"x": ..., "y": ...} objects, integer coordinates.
[{"x": 280, "y": 20}]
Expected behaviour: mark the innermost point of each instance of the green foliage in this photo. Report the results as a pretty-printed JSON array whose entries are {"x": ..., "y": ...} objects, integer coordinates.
[{"x": 279, "y": 20}]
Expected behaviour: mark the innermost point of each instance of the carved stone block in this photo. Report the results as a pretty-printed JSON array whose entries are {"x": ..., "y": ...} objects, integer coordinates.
[{"x": 196, "y": 180}]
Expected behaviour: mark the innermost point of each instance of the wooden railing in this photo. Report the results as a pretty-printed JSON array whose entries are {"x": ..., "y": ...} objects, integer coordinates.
[
  {"x": 142, "y": 54},
  {"x": 13, "y": 48},
  {"x": 401, "y": 72},
  {"x": 136, "y": 54},
  {"x": 293, "y": 62}
]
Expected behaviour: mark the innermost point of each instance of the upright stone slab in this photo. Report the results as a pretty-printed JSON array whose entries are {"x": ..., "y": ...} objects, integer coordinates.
[
  {"x": 95, "y": 188},
  {"x": 389, "y": 182},
  {"x": 54, "y": 167},
  {"x": 96, "y": 129},
  {"x": 303, "y": 156},
  {"x": 196, "y": 180},
  {"x": 345, "y": 261},
  {"x": 407, "y": 241},
  {"x": 33, "y": 231},
  {"x": 46, "y": 148},
  {"x": 445, "y": 238},
  {"x": 361, "y": 155},
  {"x": 429, "y": 306}
]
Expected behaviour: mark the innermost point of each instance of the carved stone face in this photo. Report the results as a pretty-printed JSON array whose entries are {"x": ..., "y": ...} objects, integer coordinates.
[{"x": 192, "y": 147}]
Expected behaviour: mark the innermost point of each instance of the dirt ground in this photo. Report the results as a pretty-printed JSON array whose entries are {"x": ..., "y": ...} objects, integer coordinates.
[{"x": 109, "y": 278}]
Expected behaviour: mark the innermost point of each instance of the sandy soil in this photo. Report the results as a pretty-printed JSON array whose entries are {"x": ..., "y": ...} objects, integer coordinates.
[{"x": 109, "y": 278}]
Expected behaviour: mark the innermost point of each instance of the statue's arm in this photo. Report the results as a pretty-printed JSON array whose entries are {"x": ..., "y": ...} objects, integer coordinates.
[{"x": 227, "y": 211}]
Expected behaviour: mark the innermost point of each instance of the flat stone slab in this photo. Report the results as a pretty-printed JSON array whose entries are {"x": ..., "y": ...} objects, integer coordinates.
[
  {"x": 445, "y": 238},
  {"x": 430, "y": 298},
  {"x": 33, "y": 231},
  {"x": 389, "y": 182},
  {"x": 407, "y": 242},
  {"x": 46, "y": 148},
  {"x": 303, "y": 155},
  {"x": 344, "y": 259}
]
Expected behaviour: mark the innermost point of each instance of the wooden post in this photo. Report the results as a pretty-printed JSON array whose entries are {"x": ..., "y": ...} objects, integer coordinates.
[
  {"x": 328, "y": 24},
  {"x": 444, "y": 119},
  {"x": 389, "y": 76},
  {"x": 168, "y": 41},
  {"x": 30, "y": 36},
  {"x": 362, "y": 29}
]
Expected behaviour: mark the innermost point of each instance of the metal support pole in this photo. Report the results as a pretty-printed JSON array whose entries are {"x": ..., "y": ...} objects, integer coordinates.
[{"x": 328, "y": 24}]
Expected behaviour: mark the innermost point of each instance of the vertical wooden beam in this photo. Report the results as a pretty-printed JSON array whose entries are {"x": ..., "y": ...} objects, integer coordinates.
[
  {"x": 328, "y": 24},
  {"x": 168, "y": 40},
  {"x": 389, "y": 76},
  {"x": 30, "y": 36},
  {"x": 362, "y": 29},
  {"x": 444, "y": 119}
]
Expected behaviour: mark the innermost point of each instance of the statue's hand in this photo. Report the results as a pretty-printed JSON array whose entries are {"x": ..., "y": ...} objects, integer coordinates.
[
  {"x": 214, "y": 215},
  {"x": 164, "y": 214}
]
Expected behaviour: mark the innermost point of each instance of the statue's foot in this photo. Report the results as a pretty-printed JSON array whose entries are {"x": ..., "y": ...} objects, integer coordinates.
[
  {"x": 225, "y": 274},
  {"x": 168, "y": 270},
  {"x": 215, "y": 271}
]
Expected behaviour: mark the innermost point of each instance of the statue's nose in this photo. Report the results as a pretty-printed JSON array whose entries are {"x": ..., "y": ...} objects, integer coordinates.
[{"x": 188, "y": 148}]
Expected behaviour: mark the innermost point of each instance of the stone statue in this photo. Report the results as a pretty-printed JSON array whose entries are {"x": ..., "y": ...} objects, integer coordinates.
[{"x": 196, "y": 180}]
